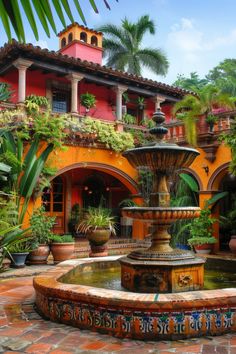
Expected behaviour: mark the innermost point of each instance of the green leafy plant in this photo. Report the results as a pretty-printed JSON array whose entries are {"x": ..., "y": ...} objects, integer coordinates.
[
  {"x": 129, "y": 118},
  {"x": 97, "y": 218},
  {"x": 145, "y": 182},
  {"x": 106, "y": 134},
  {"x": 127, "y": 203},
  {"x": 22, "y": 246},
  {"x": 88, "y": 100},
  {"x": 229, "y": 138},
  {"x": 5, "y": 92},
  {"x": 211, "y": 119},
  {"x": 141, "y": 102},
  {"x": 9, "y": 236},
  {"x": 148, "y": 123},
  {"x": 62, "y": 239},
  {"x": 11, "y": 14},
  {"x": 41, "y": 225},
  {"x": 201, "y": 230},
  {"x": 34, "y": 102},
  {"x": 125, "y": 97}
]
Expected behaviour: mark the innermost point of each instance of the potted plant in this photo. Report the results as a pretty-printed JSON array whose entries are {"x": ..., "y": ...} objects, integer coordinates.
[
  {"x": 141, "y": 102},
  {"x": 19, "y": 250},
  {"x": 98, "y": 225},
  {"x": 211, "y": 119},
  {"x": 41, "y": 226},
  {"x": 88, "y": 100},
  {"x": 201, "y": 232},
  {"x": 62, "y": 247},
  {"x": 34, "y": 103}
]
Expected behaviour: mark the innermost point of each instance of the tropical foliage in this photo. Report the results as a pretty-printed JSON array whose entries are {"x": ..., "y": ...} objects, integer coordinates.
[
  {"x": 97, "y": 218},
  {"x": 87, "y": 100},
  {"x": 201, "y": 229},
  {"x": 11, "y": 15},
  {"x": 192, "y": 83},
  {"x": 5, "y": 92},
  {"x": 41, "y": 225},
  {"x": 124, "y": 50},
  {"x": 223, "y": 76},
  {"x": 191, "y": 107},
  {"x": 229, "y": 139}
]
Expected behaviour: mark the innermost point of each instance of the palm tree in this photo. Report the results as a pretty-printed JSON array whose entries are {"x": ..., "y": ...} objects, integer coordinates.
[
  {"x": 191, "y": 107},
  {"x": 11, "y": 15},
  {"x": 124, "y": 51}
]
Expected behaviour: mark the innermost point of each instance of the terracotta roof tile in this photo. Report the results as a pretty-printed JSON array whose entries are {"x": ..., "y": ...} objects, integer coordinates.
[{"x": 14, "y": 49}]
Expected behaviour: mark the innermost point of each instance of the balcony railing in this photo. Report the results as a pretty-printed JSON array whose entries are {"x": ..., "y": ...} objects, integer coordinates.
[{"x": 176, "y": 129}]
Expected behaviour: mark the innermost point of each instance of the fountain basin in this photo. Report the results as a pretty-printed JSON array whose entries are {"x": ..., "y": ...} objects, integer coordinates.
[{"x": 129, "y": 314}]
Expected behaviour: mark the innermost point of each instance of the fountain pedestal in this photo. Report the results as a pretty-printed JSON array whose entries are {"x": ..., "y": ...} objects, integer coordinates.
[{"x": 161, "y": 269}]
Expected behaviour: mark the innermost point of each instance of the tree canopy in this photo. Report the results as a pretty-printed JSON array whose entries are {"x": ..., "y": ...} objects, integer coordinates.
[
  {"x": 192, "y": 83},
  {"x": 124, "y": 49},
  {"x": 224, "y": 76}
]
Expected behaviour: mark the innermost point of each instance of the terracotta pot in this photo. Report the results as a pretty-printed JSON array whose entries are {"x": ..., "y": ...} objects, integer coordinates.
[
  {"x": 98, "y": 242},
  {"x": 204, "y": 249},
  {"x": 39, "y": 256},
  {"x": 62, "y": 251},
  {"x": 232, "y": 244}
]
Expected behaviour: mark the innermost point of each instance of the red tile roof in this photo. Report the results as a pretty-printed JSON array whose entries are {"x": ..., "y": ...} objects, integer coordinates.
[{"x": 13, "y": 50}]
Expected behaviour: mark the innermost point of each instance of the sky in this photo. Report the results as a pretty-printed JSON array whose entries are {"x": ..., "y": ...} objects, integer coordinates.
[{"x": 195, "y": 35}]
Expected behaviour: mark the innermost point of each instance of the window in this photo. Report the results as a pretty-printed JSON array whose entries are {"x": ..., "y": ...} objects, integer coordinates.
[
  {"x": 60, "y": 101},
  {"x": 63, "y": 42},
  {"x": 70, "y": 37},
  {"x": 94, "y": 41},
  {"x": 83, "y": 37},
  {"x": 53, "y": 199}
]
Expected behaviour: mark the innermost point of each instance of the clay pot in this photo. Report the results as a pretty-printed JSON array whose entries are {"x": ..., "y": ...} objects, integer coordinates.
[
  {"x": 98, "y": 242},
  {"x": 39, "y": 256},
  {"x": 203, "y": 249},
  {"x": 62, "y": 251},
  {"x": 232, "y": 244}
]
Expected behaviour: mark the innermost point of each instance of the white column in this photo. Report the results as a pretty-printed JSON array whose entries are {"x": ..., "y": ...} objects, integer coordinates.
[
  {"x": 120, "y": 89},
  {"x": 158, "y": 99},
  {"x": 22, "y": 65},
  {"x": 74, "y": 78}
]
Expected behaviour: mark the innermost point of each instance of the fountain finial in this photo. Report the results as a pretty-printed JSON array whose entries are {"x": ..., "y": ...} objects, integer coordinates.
[{"x": 159, "y": 130}]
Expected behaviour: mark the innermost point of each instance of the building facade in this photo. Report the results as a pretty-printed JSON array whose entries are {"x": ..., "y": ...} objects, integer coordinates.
[{"x": 86, "y": 172}]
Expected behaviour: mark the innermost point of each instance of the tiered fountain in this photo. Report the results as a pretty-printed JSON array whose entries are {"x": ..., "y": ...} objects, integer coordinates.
[{"x": 160, "y": 268}]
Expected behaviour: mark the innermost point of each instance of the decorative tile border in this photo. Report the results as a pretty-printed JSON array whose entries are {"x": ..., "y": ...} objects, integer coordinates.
[{"x": 132, "y": 315}]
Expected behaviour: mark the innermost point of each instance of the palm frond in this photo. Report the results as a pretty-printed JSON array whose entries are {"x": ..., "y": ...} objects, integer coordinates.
[
  {"x": 12, "y": 11},
  {"x": 154, "y": 59},
  {"x": 142, "y": 26}
]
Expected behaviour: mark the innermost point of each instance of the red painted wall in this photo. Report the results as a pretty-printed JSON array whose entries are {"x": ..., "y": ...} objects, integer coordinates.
[
  {"x": 105, "y": 96},
  {"x": 83, "y": 52},
  {"x": 105, "y": 99}
]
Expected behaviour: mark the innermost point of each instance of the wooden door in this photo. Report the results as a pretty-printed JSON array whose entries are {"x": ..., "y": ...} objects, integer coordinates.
[{"x": 54, "y": 203}]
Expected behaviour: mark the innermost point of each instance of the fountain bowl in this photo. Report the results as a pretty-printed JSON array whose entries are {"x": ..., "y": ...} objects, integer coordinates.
[{"x": 129, "y": 314}]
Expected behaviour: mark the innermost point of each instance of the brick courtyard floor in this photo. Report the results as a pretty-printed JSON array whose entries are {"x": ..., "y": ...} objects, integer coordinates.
[{"x": 22, "y": 330}]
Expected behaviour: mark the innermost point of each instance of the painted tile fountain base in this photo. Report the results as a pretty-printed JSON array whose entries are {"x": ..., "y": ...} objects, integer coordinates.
[{"x": 133, "y": 315}]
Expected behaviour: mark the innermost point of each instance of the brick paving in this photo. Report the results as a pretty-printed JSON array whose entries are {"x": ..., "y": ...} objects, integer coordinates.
[{"x": 22, "y": 330}]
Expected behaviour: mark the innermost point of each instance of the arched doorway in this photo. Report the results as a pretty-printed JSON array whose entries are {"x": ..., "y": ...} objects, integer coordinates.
[{"x": 82, "y": 187}]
